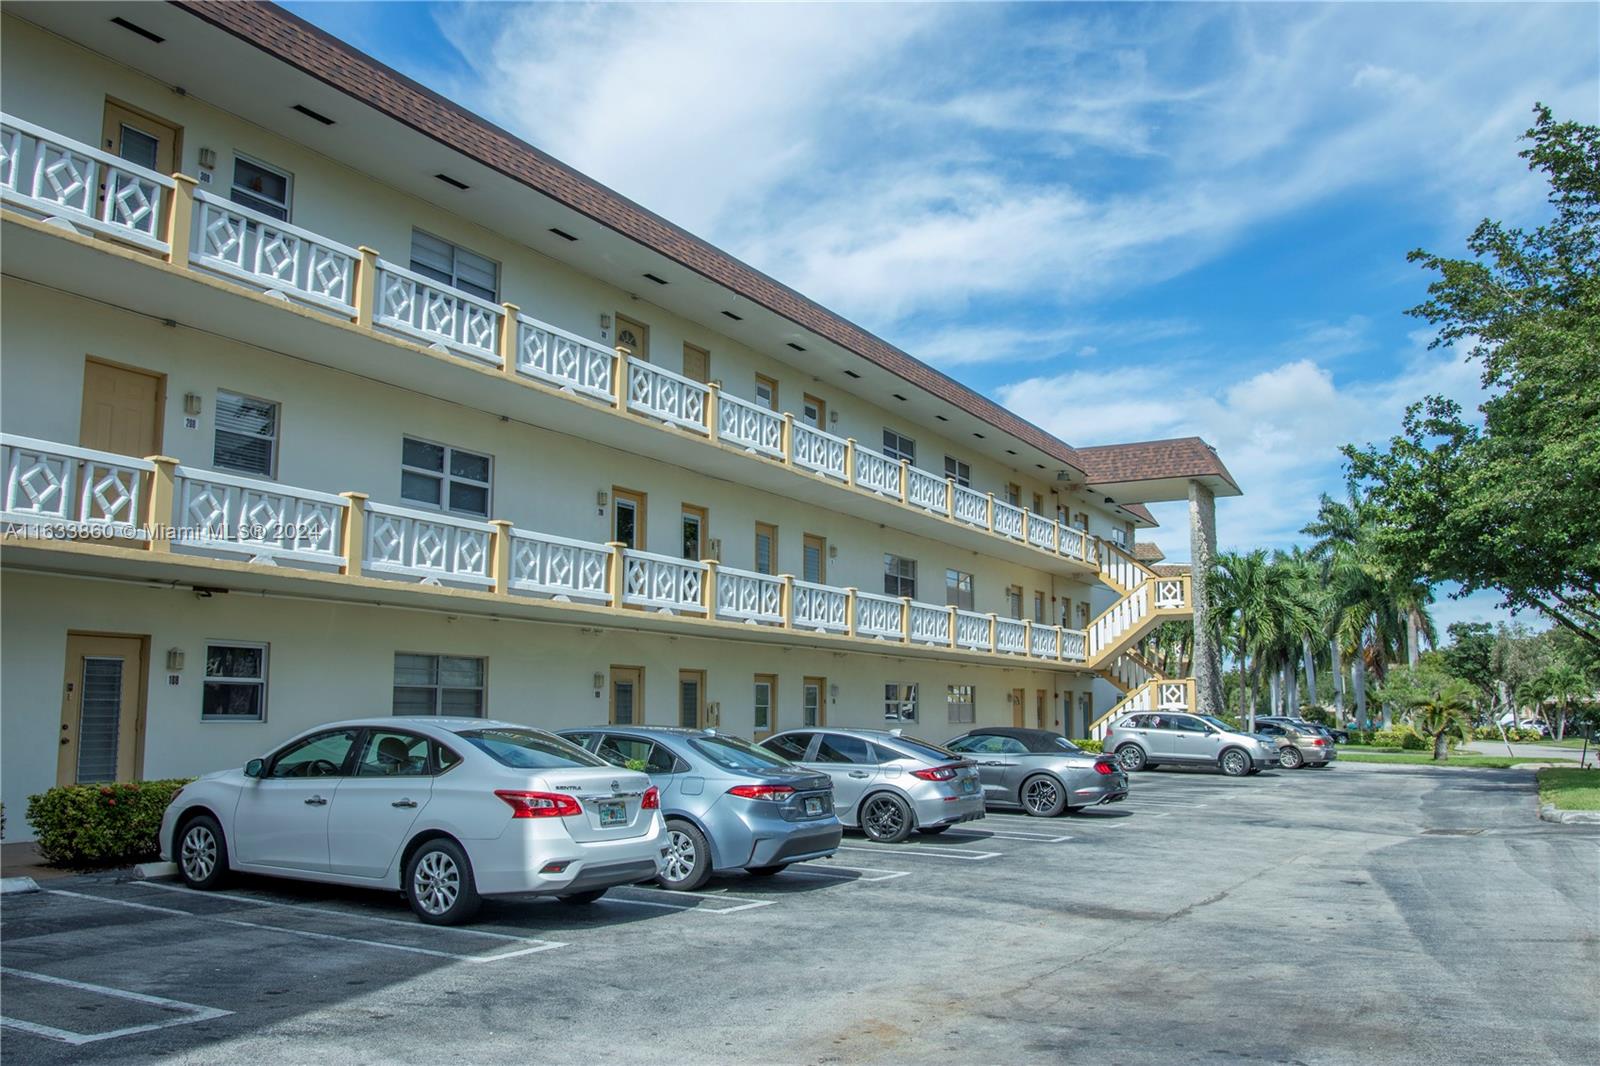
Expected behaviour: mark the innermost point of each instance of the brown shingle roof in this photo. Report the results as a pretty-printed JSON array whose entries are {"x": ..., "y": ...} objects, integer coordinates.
[
  {"x": 1151, "y": 460},
  {"x": 1170, "y": 569},
  {"x": 1146, "y": 552}
]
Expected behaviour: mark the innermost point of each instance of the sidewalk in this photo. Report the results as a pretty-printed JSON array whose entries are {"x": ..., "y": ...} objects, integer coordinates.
[
  {"x": 1548, "y": 752},
  {"x": 24, "y": 860}
]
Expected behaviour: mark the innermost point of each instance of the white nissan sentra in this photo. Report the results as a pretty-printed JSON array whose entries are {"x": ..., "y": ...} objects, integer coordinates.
[{"x": 447, "y": 810}]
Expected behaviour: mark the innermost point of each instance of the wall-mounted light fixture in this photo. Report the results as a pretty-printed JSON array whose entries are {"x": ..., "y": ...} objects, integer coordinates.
[
  {"x": 174, "y": 660},
  {"x": 602, "y": 498},
  {"x": 833, "y": 418},
  {"x": 833, "y": 551},
  {"x": 599, "y": 684},
  {"x": 833, "y": 693},
  {"x": 208, "y": 158},
  {"x": 192, "y": 403}
]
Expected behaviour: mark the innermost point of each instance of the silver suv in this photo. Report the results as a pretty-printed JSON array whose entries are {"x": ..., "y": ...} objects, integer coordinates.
[
  {"x": 1147, "y": 739},
  {"x": 886, "y": 783}
]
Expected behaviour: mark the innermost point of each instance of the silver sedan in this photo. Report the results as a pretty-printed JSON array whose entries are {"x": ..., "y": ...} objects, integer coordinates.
[{"x": 1044, "y": 773}]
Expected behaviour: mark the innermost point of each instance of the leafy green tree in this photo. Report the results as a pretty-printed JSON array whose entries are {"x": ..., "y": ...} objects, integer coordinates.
[
  {"x": 1441, "y": 712},
  {"x": 1470, "y": 655},
  {"x": 1511, "y": 505}
]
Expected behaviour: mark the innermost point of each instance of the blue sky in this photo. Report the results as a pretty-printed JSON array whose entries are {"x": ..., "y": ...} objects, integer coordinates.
[{"x": 1123, "y": 221}]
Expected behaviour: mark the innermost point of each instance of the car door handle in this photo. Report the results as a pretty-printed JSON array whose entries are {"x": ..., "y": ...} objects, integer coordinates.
[
  {"x": 404, "y": 803},
  {"x": 859, "y": 773},
  {"x": 316, "y": 801},
  {"x": 991, "y": 764}
]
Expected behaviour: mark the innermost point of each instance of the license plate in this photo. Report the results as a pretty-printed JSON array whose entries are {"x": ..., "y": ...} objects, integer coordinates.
[
  {"x": 612, "y": 812},
  {"x": 969, "y": 786},
  {"x": 813, "y": 804}
]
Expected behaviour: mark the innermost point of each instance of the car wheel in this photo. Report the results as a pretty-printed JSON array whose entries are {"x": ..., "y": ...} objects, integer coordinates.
[
  {"x": 1043, "y": 796},
  {"x": 1131, "y": 758},
  {"x": 1234, "y": 762},
  {"x": 578, "y": 898},
  {"x": 766, "y": 871},
  {"x": 932, "y": 830},
  {"x": 688, "y": 862},
  {"x": 439, "y": 883},
  {"x": 202, "y": 853},
  {"x": 886, "y": 818},
  {"x": 1291, "y": 759}
]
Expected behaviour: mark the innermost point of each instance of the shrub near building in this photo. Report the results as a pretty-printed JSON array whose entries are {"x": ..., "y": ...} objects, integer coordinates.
[{"x": 101, "y": 825}]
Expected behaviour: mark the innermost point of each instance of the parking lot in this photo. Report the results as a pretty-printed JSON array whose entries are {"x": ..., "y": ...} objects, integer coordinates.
[{"x": 1360, "y": 914}]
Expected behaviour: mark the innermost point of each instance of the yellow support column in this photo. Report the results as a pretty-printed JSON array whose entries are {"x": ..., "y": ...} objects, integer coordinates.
[
  {"x": 615, "y": 577},
  {"x": 905, "y": 481},
  {"x": 850, "y": 611},
  {"x": 500, "y": 556},
  {"x": 714, "y": 411},
  {"x": 905, "y": 619},
  {"x": 354, "y": 534},
  {"x": 708, "y": 592},
  {"x": 180, "y": 219},
  {"x": 991, "y": 628},
  {"x": 1027, "y": 638},
  {"x": 850, "y": 470},
  {"x": 367, "y": 287},
  {"x": 786, "y": 444},
  {"x": 950, "y": 498},
  {"x": 953, "y": 644},
  {"x": 619, "y": 383},
  {"x": 786, "y": 599},
  {"x": 990, "y": 518},
  {"x": 158, "y": 518},
  {"x": 508, "y": 338}
]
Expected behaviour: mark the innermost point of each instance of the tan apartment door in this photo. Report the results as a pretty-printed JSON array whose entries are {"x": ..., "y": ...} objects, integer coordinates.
[
  {"x": 692, "y": 699},
  {"x": 121, "y": 409},
  {"x": 140, "y": 138},
  {"x": 813, "y": 412},
  {"x": 814, "y": 564},
  {"x": 627, "y": 695},
  {"x": 814, "y": 702},
  {"x": 102, "y": 727},
  {"x": 633, "y": 338},
  {"x": 696, "y": 364},
  {"x": 1041, "y": 709},
  {"x": 627, "y": 521},
  {"x": 1019, "y": 707}
]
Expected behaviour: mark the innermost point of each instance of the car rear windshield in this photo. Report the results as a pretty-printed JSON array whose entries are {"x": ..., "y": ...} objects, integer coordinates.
[
  {"x": 924, "y": 749},
  {"x": 526, "y": 749},
  {"x": 731, "y": 753}
]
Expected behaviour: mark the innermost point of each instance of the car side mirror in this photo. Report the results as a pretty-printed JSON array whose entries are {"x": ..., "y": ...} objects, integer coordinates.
[{"x": 255, "y": 768}]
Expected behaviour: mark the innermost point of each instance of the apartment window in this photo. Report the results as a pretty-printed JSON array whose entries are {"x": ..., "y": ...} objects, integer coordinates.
[
  {"x": 899, "y": 576},
  {"x": 766, "y": 548},
  {"x": 813, "y": 706},
  {"x": 766, "y": 392},
  {"x": 1038, "y": 607},
  {"x": 1014, "y": 600},
  {"x": 235, "y": 688},
  {"x": 694, "y": 532},
  {"x": 814, "y": 412},
  {"x": 961, "y": 703},
  {"x": 813, "y": 561},
  {"x": 1066, "y": 613},
  {"x": 438, "y": 684},
  {"x": 1119, "y": 536},
  {"x": 897, "y": 447},
  {"x": 1038, "y": 503},
  {"x": 958, "y": 471},
  {"x": 261, "y": 188},
  {"x": 1083, "y": 614},
  {"x": 246, "y": 434},
  {"x": 691, "y": 699},
  {"x": 1014, "y": 495},
  {"x": 1082, "y": 521},
  {"x": 460, "y": 269},
  {"x": 627, "y": 520},
  {"x": 899, "y": 702},
  {"x": 447, "y": 478},
  {"x": 766, "y": 702},
  {"x": 958, "y": 589}
]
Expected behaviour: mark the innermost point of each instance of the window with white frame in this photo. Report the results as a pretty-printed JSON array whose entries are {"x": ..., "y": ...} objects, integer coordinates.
[
  {"x": 961, "y": 703},
  {"x": 899, "y": 702},
  {"x": 958, "y": 471},
  {"x": 1119, "y": 536},
  {"x": 235, "y": 686},
  {"x": 898, "y": 447},
  {"x": 246, "y": 434},
  {"x": 958, "y": 589},
  {"x": 765, "y": 696},
  {"x": 438, "y": 684},
  {"x": 1014, "y": 600},
  {"x": 1038, "y": 607},
  {"x": 435, "y": 258},
  {"x": 446, "y": 478},
  {"x": 899, "y": 576},
  {"x": 261, "y": 188}
]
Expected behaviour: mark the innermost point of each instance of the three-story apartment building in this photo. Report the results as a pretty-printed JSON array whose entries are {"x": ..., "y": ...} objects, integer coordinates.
[{"x": 324, "y": 397}]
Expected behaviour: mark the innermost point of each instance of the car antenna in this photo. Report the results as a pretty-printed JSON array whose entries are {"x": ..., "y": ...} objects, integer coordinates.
[{"x": 897, "y": 732}]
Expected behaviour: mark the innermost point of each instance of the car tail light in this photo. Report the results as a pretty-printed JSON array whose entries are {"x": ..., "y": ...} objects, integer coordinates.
[
  {"x": 1318, "y": 742},
  {"x": 539, "y": 804},
  {"x": 936, "y": 773},
  {"x": 1106, "y": 767},
  {"x": 771, "y": 793},
  {"x": 652, "y": 799}
]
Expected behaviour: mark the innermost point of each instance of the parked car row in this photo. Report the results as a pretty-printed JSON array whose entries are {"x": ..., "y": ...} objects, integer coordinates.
[{"x": 451, "y": 810}]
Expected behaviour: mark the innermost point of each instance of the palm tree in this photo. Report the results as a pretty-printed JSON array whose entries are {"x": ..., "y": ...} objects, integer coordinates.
[
  {"x": 1237, "y": 589},
  {"x": 1442, "y": 711}
]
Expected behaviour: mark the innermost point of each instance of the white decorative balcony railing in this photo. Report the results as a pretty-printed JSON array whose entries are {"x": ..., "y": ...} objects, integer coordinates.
[
  {"x": 971, "y": 507},
  {"x": 434, "y": 313},
  {"x": 663, "y": 583},
  {"x": 564, "y": 359},
  {"x": 926, "y": 491},
  {"x": 820, "y": 452},
  {"x": 1042, "y": 532},
  {"x": 930, "y": 624},
  {"x": 661, "y": 394},
  {"x": 1044, "y": 642},
  {"x": 973, "y": 631},
  {"x": 259, "y": 250},
  {"x": 77, "y": 489},
  {"x": 1169, "y": 593},
  {"x": 879, "y": 616},
  {"x": 746, "y": 596},
  {"x": 821, "y": 608},
  {"x": 1073, "y": 542},
  {"x": 559, "y": 568},
  {"x": 262, "y": 519},
  {"x": 1010, "y": 636},
  {"x": 751, "y": 427},
  {"x": 433, "y": 547},
  {"x": 1008, "y": 520},
  {"x": 57, "y": 177},
  {"x": 877, "y": 473},
  {"x": 1074, "y": 645}
]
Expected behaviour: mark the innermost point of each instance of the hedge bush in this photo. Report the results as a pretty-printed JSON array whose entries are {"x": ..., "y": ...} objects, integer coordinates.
[
  {"x": 101, "y": 825},
  {"x": 1090, "y": 745}
]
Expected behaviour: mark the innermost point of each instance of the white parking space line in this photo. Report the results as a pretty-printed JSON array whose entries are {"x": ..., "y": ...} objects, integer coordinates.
[
  {"x": 919, "y": 851},
  {"x": 835, "y": 872},
  {"x": 190, "y": 1012},
  {"x": 699, "y": 902},
  {"x": 532, "y": 944}
]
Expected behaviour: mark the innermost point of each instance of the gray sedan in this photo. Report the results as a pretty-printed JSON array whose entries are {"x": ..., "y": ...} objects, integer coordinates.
[
  {"x": 728, "y": 805},
  {"x": 1044, "y": 773}
]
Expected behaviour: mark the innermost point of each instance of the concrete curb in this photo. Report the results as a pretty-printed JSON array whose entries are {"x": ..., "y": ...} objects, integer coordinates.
[
  {"x": 9, "y": 885},
  {"x": 1550, "y": 813},
  {"x": 155, "y": 871}
]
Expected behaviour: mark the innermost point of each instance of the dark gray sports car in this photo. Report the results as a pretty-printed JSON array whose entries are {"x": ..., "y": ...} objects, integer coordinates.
[{"x": 1044, "y": 773}]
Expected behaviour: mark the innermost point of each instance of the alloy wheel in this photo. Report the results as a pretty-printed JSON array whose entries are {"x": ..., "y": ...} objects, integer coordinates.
[
  {"x": 437, "y": 882},
  {"x": 1234, "y": 763},
  {"x": 884, "y": 817},
  {"x": 199, "y": 853},
  {"x": 1041, "y": 795},
  {"x": 681, "y": 856},
  {"x": 1131, "y": 757}
]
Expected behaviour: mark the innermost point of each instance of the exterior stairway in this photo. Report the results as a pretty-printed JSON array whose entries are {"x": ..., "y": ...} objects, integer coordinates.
[{"x": 1148, "y": 599}]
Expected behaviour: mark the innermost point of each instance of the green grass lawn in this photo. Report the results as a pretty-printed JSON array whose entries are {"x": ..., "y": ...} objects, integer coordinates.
[
  {"x": 1360, "y": 753},
  {"x": 1570, "y": 789},
  {"x": 1570, "y": 742}
]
